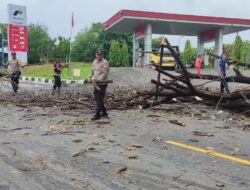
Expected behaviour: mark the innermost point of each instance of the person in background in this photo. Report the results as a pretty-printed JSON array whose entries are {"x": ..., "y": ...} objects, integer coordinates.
[
  {"x": 223, "y": 65},
  {"x": 14, "y": 66},
  {"x": 100, "y": 71},
  {"x": 57, "y": 68},
  {"x": 198, "y": 62}
]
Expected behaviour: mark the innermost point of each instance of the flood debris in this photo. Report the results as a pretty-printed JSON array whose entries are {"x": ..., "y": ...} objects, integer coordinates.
[
  {"x": 193, "y": 140},
  {"x": 220, "y": 185},
  {"x": 67, "y": 130},
  {"x": 245, "y": 127},
  {"x": 77, "y": 141},
  {"x": 121, "y": 170},
  {"x": 103, "y": 122},
  {"x": 177, "y": 123},
  {"x": 153, "y": 115},
  {"x": 203, "y": 134},
  {"x": 131, "y": 147},
  {"x": 133, "y": 157},
  {"x": 84, "y": 151}
]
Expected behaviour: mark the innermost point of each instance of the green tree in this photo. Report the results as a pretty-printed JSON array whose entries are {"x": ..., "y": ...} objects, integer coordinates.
[
  {"x": 38, "y": 43},
  {"x": 245, "y": 52},
  {"x": 188, "y": 54},
  {"x": 85, "y": 44},
  {"x": 3, "y": 29},
  {"x": 228, "y": 48},
  {"x": 105, "y": 38},
  {"x": 90, "y": 39},
  {"x": 237, "y": 47},
  {"x": 124, "y": 55},
  {"x": 115, "y": 54},
  {"x": 63, "y": 48},
  {"x": 3, "y": 33},
  {"x": 156, "y": 43}
]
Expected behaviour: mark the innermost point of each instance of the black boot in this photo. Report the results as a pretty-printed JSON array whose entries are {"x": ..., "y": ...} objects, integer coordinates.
[
  {"x": 104, "y": 112},
  {"x": 96, "y": 116}
]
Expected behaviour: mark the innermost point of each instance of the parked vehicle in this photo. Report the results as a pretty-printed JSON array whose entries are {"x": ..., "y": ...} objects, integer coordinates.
[
  {"x": 190, "y": 64},
  {"x": 169, "y": 61}
]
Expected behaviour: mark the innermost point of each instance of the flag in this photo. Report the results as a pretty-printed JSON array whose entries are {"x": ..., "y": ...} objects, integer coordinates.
[{"x": 72, "y": 21}]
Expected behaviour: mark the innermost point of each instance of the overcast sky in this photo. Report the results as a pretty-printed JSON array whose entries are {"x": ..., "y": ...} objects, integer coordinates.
[{"x": 56, "y": 14}]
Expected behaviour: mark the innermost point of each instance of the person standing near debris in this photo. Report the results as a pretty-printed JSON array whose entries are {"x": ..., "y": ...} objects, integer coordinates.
[
  {"x": 99, "y": 73},
  {"x": 223, "y": 65},
  {"x": 57, "y": 68},
  {"x": 14, "y": 66},
  {"x": 198, "y": 62}
]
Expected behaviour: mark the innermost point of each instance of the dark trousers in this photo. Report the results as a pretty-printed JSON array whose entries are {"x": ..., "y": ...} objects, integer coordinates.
[
  {"x": 15, "y": 80},
  {"x": 99, "y": 96},
  {"x": 57, "y": 82},
  {"x": 223, "y": 84}
]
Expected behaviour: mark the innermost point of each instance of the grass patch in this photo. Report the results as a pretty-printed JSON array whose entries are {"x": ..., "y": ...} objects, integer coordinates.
[{"x": 46, "y": 71}]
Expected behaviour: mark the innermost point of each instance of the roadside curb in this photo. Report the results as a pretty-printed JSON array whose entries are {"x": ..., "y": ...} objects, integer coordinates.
[{"x": 40, "y": 80}]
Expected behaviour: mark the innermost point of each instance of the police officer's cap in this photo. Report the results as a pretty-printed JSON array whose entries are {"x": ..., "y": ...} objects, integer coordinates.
[{"x": 99, "y": 52}]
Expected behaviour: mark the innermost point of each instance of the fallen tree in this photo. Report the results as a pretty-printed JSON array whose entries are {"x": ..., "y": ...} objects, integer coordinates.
[
  {"x": 239, "y": 78},
  {"x": 172, "y": 88},
  {"x": 181, "y": 86}
]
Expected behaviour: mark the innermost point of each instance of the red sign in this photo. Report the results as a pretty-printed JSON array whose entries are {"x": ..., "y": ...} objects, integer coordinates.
[
  {"x": 18, "y": 38},
  {"x": 208, "y": 35},
  {"x": 140, "y": 32}
]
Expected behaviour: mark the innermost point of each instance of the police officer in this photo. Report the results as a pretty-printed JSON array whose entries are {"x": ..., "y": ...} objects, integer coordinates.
[
  {"x": 100, "y": 71},
  {"x": 57, "y": 68},
  {"x": 14, "y": 66}
]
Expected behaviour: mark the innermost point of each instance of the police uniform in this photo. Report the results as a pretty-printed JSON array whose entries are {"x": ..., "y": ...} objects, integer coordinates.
[
  {"x": 14, "y": 67},
  {"x": 100, "y": 71}
]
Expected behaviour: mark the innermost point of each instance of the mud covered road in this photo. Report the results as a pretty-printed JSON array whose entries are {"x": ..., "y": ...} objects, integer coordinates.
[{"x": 52, "y": 148}]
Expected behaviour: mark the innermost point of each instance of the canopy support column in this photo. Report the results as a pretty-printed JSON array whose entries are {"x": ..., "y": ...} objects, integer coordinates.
[
  {"x": 218, "y": 44},
  {"x": 200, "y": 46},
  {"x": 135, "y": 49},
  {"x": 148, "y": 43}
]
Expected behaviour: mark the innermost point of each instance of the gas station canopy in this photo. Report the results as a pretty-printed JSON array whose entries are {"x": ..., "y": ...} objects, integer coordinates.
[
  {"x": 173, "y": 24},
  {"x": 143, "y": 24}
]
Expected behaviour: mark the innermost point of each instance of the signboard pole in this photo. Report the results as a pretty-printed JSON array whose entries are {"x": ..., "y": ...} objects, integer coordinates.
[{"x": 18, "y": 31}]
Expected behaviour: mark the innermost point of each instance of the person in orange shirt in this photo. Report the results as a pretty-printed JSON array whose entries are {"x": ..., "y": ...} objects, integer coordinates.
[{"x": 198, "y": 62}]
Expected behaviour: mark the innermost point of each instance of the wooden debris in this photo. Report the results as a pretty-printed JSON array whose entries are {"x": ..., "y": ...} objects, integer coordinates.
[
  {"x": 153, "y": 115},
  {"x": 203, "y": 134},
  {"x": 177, "y": 123},
  {"x": 102, "y": 122},
  {"x": 133, "y": 157},
  {"x": 79, "y": 154},
  {"x": 41, "y": 162},
  {"x": 83, "y": 152},
  {"x": 245, "y": 127},
  {"x": 106, "y": 162},
  {"x": 193, "y": 140},
  {"x": 220, "y": 185},
  {"x": 121, "y": 170},
  {"x": 177, "y": 89},
  {"x": 132, "y": 147},
  {"x": 77, "y": 141}
]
